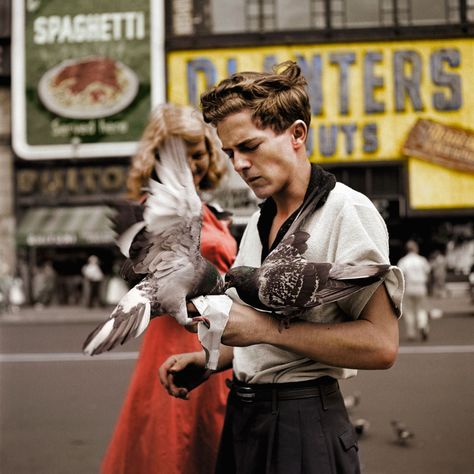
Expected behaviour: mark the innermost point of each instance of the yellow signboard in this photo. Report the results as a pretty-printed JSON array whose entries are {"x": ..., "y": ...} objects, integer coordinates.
[
  {"x": 365, "y": 97},
  {"x": 432, "y": 186}
]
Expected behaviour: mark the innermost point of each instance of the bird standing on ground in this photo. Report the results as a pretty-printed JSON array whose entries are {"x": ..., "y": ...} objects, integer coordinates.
[
  {"x": 351, "y": 401},
  {"x": 164, "y": 255},
  {"x": 403, "y": 434}
]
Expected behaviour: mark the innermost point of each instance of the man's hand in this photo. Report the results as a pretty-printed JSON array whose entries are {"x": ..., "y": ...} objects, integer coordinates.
[
  {"x": 247, "y": 326},
  {"x": 181, "y": 373}
]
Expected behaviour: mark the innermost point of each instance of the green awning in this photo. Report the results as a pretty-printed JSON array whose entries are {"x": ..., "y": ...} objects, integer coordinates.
[{"x": 55, "y": 226}]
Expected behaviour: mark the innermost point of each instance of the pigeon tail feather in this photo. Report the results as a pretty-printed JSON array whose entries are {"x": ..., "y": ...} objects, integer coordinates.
[
  {"x": 97, "y": 337},
  {"x": 349, "y": 271}
]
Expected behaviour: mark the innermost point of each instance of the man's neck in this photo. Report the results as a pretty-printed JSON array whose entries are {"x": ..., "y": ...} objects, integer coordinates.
[{"x": 292, "y": 197}]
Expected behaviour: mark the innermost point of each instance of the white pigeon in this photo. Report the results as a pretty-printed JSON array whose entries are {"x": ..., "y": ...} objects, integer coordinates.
[{"x": 164, "y": 249}]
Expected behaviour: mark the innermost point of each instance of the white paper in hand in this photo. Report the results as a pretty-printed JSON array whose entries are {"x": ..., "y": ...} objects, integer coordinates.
[{"x": 216, "y": 309}]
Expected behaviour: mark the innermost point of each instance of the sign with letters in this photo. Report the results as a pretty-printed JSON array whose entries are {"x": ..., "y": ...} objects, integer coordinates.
[
  {"x": 85, "y": 76},
  {"x": 365, "y": 97},
  {"x": 452, "y": 147}
]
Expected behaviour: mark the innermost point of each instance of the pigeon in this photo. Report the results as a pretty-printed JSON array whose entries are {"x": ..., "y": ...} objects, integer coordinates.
[
  {"x": 403, "y": 434},
  {"x": 351, "y": 401},
  {"x": 163, "y": 255},
  {"x": 287, "y": 283},
  {"x": 361, "y": 426}
]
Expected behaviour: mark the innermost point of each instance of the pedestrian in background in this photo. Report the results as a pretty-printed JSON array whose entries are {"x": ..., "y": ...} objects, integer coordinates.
[
  {"x": 44, "y": 285},
  {"x": 157, "y": 434},
  {"x": 416, "y": 270},
  {"x": 438, "y": 274},
  {"x": 93, "y": 278}
]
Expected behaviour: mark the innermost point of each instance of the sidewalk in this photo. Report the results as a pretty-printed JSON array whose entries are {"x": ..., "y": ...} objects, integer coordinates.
[
  {"x": 450, "y": 306},
  {"x": 56, "y": 314}
]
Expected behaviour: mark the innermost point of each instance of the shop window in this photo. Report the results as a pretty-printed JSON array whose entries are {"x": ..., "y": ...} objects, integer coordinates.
[
  {"x": 429, "y": 12},
  {"x": 381, "y": 181},
  {"x": 203, "y": 17},
  {"x": 362, "y": 14},
  {"x": 232, "y": 16},
  {"x": 385, "y": 180},
  {"x": 470, "y": 10},
  {"x": 300, "y": 16}
]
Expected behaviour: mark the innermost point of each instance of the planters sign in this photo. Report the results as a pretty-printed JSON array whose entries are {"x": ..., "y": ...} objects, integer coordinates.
[{"x": 365, "y": 97}]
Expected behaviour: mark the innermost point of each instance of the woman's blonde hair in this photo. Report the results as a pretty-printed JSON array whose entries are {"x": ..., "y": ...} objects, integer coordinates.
[{"x": 182, "y": 121}]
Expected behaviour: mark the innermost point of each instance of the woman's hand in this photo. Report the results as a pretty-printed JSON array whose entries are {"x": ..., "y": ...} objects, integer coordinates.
[{"x": 181, "y": 373}]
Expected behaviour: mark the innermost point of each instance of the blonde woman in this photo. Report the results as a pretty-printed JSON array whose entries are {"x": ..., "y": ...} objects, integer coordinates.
[{"x": 156, "y": 433}]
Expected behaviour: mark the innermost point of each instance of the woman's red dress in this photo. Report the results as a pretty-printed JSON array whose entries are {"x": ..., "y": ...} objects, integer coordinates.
[{"x": 160, "y": 434}]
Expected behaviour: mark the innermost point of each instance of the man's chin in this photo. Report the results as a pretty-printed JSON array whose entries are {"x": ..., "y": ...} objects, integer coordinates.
[{"x": 262, "y": 193}]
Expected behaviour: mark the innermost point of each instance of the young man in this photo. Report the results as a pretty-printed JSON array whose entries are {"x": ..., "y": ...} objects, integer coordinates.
[{"x": 285, "y": 412}]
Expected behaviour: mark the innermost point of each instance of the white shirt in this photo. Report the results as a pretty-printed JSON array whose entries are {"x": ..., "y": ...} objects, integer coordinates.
[{"x": 347, "y": 228}]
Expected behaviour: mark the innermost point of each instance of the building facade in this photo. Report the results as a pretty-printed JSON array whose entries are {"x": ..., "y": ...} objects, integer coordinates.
[
  {"x": 391, "y": 98},
  {"x": 390, "y": 85}
]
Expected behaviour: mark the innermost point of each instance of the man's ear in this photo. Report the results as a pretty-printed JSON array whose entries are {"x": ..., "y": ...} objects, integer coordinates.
[{"x": 299, "y": 133}]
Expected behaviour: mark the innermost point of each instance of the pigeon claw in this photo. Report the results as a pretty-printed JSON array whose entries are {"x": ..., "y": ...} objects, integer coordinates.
[
  {"x": 202, "y": 319},
  {"x": 284, "y": 324}
]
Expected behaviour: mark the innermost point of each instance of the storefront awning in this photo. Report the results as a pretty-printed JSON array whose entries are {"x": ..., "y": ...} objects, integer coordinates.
[{"x": 55, "y": 226}]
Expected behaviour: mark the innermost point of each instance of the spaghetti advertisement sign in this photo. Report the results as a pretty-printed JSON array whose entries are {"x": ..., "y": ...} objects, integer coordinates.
[{"x": 82, "y": 77}]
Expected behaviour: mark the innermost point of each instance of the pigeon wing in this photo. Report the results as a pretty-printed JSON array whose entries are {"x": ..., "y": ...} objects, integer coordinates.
[
  {"x": 172, "y": 215},
  {"x": 129, "y": 319}
]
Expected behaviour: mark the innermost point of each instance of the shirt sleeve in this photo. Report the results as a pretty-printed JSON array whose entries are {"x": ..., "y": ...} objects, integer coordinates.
[{"x": 361, "y": 237}]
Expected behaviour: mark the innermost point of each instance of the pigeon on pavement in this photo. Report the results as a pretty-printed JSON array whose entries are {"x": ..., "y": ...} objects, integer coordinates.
[
  {"x": 351, "y": 401},
  {"x": 163, "y": 253},
  {"x": 403, "y": 434},
  {"x": 287, "y": 283},
  {"x": 361, "y": 426}
]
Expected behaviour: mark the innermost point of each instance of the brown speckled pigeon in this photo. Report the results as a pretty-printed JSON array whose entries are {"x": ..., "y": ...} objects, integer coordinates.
[
  {"x": 287, "y": 284},
  {"x": 164, "y": 255}
]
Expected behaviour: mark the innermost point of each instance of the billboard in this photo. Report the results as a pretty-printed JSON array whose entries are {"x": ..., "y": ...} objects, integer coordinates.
[
  {"x": 365, "y": 97},
  {"x": 85, "y": 76}
]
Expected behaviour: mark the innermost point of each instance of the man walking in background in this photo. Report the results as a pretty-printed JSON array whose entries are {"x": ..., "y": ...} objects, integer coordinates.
[{"x": 416, "y": 270}]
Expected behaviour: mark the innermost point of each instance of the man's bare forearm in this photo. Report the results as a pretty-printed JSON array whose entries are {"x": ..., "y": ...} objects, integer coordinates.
[{"x": 371, "y": 342}]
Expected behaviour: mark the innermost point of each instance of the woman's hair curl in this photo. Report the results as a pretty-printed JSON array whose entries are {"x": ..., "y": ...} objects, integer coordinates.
[{"x": 174, "y": 120}]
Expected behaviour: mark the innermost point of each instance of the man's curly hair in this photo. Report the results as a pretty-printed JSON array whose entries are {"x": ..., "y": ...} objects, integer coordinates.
[
  {"x": 275, "y": 99},
  {"x": 182, "y": 121}
]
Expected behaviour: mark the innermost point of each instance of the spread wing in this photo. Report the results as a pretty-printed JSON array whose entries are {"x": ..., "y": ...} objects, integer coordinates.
[
  {"x": 169, "y": 235},
  {"x": 163, "y": 247}
]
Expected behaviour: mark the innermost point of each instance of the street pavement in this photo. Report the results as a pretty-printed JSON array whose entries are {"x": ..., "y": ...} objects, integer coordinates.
[
  {"x": 58, "y": 408},
  {"x": 454, "y": 305}
]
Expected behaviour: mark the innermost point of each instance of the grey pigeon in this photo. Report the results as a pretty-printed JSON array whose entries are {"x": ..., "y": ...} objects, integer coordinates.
[
  {"x": 361, "y": 426},
  {"x": 351, "y": 401},
  {"x": 403, "y": 434},
  {"x": 287, "y": 283},
  {"x": 163, "y": 253}
]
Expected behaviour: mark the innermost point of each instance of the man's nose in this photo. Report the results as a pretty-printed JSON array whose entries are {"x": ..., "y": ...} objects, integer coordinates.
[{"x": 240, "y": 162}]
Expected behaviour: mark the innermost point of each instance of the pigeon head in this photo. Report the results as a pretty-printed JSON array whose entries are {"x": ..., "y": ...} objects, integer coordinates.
[{"x": 239, "y": 278}]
